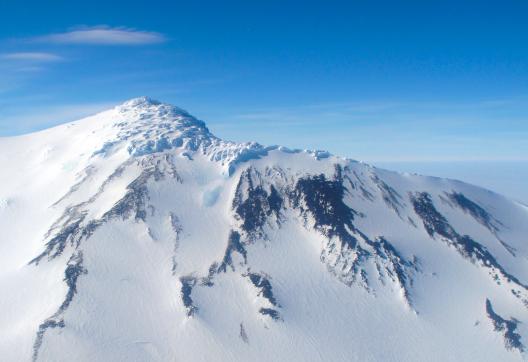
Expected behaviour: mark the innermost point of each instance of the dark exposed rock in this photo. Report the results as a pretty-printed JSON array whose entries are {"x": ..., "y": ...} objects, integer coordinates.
[
  {"x": 73, "y": 228},
  {"x": 366, "y": 193},
  {"x": 88, "y": 172},
  {"x": 389, "y": 195},
  {"x": 411, "y": 221},
  {"x": 265, "y": 291},
  {"x": 243, "y": 334},
  {"x": 397, "y": 267},
  {"x": 507, "y": 328},
  {"x": 323, "y": 199},
  {"x": 69, "y": 234},
  {"x": 177, "y": 229},
  {"x": 208, "y": 280},
  {"x": 270, "y": 312},
  {"x": 264, "y": 286},
  {"x": 436, "y": 223},
  {"x": 432, "y": 220},
  {"x": 233, "y": 245},
  {"x": 187, "y": 285},
  {"x": 72, "y": 273},
  {"x": 361, "y": 186},
  {"x": 47, "y": 324},
  {"x": 253, "y": 204},
  {"x": 134, "y": 201},
  {"x": 478, "y": 213},
  {"x": 74, "y": 270}
]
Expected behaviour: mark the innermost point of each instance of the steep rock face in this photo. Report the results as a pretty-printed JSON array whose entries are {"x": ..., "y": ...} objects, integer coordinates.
[
  {"x": 254, "y": 205},
  {"x": 164, "y": 232},
  {"x": 436, "y": 224},
  {"x": 323, "y": 199},
  {"x": 506, "y": 327}
]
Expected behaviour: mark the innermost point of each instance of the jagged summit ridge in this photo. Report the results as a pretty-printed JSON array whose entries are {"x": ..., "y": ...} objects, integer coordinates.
[
  {"x": 149, "y": 105},
  {"x": 145, "y": 126},
  {"x": 140, "y": 101}
]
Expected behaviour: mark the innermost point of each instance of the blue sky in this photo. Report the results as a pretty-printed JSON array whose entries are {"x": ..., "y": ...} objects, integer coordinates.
[{"x": 371, "y": 80}]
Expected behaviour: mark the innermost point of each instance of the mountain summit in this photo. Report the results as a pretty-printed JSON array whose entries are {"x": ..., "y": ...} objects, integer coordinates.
[{"x": 137, "y": 235}]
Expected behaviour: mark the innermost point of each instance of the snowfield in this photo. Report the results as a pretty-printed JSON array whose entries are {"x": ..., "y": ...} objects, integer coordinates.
[{"x": 137, "y": 235}]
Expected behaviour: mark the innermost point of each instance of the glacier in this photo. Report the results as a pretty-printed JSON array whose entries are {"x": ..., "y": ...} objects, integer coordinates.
[{"x": 137, "y": 235}]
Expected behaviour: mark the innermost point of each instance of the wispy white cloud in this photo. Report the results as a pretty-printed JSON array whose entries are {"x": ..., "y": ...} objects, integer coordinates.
[
  {"x": 32, "y": 56},
  {"x": 103, "y": 35}
]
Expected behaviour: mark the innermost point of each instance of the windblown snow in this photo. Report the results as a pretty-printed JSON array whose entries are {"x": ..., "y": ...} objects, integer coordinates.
[{"x": 137, "y": 235}]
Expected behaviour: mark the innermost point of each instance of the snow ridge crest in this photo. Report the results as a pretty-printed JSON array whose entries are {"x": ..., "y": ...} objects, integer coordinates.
[{"x": 146, "y": 126}]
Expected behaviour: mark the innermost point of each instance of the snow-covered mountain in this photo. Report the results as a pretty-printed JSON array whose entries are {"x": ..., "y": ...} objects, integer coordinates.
[{"x": 137, "y": 235}]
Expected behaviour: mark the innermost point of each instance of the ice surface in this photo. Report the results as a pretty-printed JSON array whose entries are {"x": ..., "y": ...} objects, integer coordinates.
[{"x": 154, "y": 240}]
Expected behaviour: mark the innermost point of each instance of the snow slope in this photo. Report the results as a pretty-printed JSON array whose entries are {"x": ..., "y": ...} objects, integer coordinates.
[{"x": 137, "y": 235}]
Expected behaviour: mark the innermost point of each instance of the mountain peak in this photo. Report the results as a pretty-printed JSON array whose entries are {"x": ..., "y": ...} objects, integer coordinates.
[
  {"x": 168, "y": 233},
  {"x": 145, "y": 104},
  {"x": 141, "y": 101},
  {"x": 145, "y": 125}
]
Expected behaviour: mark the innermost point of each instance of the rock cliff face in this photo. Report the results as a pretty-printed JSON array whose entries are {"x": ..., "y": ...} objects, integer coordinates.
[{"x": 136, "y": 234}]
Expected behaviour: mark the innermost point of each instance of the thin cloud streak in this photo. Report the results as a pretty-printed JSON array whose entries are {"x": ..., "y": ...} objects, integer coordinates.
[
  {"x": 103, "y": 35},
  {"x": 32, "y": 56},
  {"x": 389, "y": 131}
]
